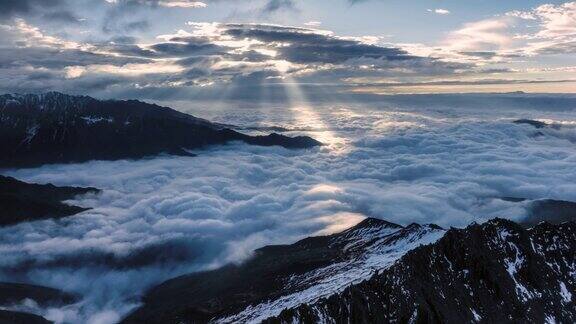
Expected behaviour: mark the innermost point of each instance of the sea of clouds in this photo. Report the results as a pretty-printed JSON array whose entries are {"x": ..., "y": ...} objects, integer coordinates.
[{"x": 162, "y": 217}]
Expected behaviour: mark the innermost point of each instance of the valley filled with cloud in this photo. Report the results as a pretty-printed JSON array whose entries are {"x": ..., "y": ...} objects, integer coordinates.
[
  {"x": 444, "y": 113},
  {"x": 161, "y": 217}
]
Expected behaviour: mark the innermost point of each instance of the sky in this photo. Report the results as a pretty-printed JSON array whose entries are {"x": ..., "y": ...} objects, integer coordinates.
[{"x": 265, "y": 49}]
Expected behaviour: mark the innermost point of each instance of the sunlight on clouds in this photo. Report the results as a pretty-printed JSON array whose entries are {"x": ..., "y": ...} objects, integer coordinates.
[
  {"x": 339, "y": 222},
  {"x": 306, "y": 117},
  {"x": 137, "y": 69},
  {"x": 323, "y": 189},
  {"x": 512, "y": 86},
  {"x": 182, "y": 4},
  {"x": 33, "y": 36},
  {"x": 439, "y": 11},
  {"x": 487, "y": 34},
  {"x": 73, "y": 72},
  {"x": 168, "y": 3}
]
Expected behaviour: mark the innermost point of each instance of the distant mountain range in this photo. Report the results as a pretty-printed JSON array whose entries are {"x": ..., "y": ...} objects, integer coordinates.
[
  {"x": 379, "y": 272},
  {"x": 59, "y": 128}
]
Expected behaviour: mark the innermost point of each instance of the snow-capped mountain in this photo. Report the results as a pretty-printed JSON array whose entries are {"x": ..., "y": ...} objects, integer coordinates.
[
  {"x": 497, "y": 272},
  {"x": 59, "y": 128},
  {"x": 280, "y": 277},
  {"x": 378, "y": 272}
]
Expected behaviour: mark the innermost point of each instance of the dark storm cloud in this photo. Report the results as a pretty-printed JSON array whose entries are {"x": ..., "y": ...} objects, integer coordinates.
[
  {"x": 9, "y": 8},
  {"x": 187, "y": 49},
  {"x": 50, "y": 58},
  {"x": 305, "y": 47},
  {"x": 559, "y": 48},
  {"x": 129, "y": 50},
  {"x": 275, "y": 5},
  {"x": 61, "y": 16},
  {"x": 483, "y": 54}
]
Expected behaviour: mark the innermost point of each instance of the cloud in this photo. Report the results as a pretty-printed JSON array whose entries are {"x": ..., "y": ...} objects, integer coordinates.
[
  {"x": 514, "y": 33},
  {"x": 8, "y": 8},
  {"x": 490, "y": 34},
  {"x": 161, "y": 3},
  {"x": 439, "y": 11},
  {"x": 214, "y": 55},
  {"x": 275, "y": 5},
  {"x": 313, "y": 24}
]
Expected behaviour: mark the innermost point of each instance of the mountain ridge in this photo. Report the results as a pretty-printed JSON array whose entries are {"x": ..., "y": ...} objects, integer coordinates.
[
  {"x": 493, "y": 272},
  {"x": 483, "y": 270},
  {"x": 59, "y": 128}
]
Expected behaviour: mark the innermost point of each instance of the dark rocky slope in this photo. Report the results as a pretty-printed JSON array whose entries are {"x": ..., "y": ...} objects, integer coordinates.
[
  {"x": 497, "y": 272},
  {"x": 13, "y": 295},
  {"x": 20, "y": 201},
  {"x": 58, "y": 128},
  {"x": 10, "y": 317},
  {"x": 551, "y": 211},
  {"x": 316, "y": 265}
]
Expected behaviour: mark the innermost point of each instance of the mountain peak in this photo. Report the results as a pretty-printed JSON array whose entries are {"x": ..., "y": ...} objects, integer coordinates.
[{"x": 375, "y": 222}]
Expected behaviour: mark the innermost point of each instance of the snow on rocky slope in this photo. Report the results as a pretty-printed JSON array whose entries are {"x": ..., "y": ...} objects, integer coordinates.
[
  {"x": 497, "y": 272},
  {"x": 378, "y": 272},
  {"x": 280, "y": 277}
]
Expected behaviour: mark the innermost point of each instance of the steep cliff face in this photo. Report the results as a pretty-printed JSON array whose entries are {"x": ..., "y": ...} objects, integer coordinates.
[
  {"x": 58, "y": 128},
  {"x": 497, "y": 272}
]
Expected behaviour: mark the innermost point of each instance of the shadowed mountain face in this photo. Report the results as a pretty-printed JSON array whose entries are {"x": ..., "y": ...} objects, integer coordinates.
[
  {"x": 58, "y": 128},
  {"x": 551, "y": 211},
  {"x": 13, "y": 293},
  {"x": 379, "y": 272},
  {"x": 9, "y": 317},
  {"x": 283, "y": 276},
  {"x": 20, "y": 201},
  {"x": 497, "y": 272},
  {"x": 13, "y": 297},
  {"x": 545, "y": 210}
]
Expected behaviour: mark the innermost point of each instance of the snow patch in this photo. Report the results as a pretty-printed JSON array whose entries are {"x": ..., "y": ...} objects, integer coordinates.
[
  {"x": 383, "y": 251},
  {"x": 566, "y": 295},
  {"x": 90, "y": 120},
  {"x": 477, "y": 317}
]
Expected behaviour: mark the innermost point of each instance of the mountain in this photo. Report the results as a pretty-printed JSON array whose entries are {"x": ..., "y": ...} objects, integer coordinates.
[
  {"x": 20, "y": 201},
  {"x": 15, "y": 296},
  {"x": 497, "y": 272},
  {"x": 550, "y": 211},
  {"x": 378, "y": 272},
  {"x": 283, "y": 276},
  {"x": 11, "y": 317},
  {"x": 59, "y": 128}
]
